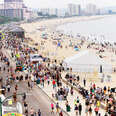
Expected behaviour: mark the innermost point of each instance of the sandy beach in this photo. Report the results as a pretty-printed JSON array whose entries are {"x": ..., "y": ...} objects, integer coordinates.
[
  {"x": 50, "y": 25},
  {"x": 49, "y": 47}
]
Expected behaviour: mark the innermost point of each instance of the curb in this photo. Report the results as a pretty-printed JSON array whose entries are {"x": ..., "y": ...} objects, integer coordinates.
[{"x": 52, "y": 100}]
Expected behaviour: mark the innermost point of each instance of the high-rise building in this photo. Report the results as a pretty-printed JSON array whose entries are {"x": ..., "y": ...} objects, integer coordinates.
[
  {"x": 44, "y": 11},
  {"x": 53, "y": 12},
  {"x": 61, "y": 12},
  {"x": 27, "y": 14},
  {"x": 91, "y": 9},
  {"x": 78, "y": 10},
  {"x": 14, "y": 9},
  {"x": 1, "y": 9},
  {"x": 74, "y": 9}
]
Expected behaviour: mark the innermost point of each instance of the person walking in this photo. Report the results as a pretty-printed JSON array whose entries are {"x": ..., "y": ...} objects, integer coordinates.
[
  {"x": 32, "y": 112},
  {"x": 16, "y": 87},
  {"x": 71, "y": 91},
  {"x": 32, "y": 84},
  {"x": 90, "y": 111},
  {"x": 80, "y": 109},
  {"x": 96, "y": 110},
  {"x": 68, "y": 108},
  {"x": 39, "y": 112},
  {"x": 54, "y": 83},
  {"x": 57, "y": 108},
  {"x": 52, "y": 108},
  {"x": 86, "y": 110},
  {"x": 61, "y": 113},
  {"x": 76, "y": 109},
  {"x": 42, "y": 82},
  {"x": 48, "y": 80},
  {"x": 24, "y": 97},
  {"x": 15, "y": 97},
  {"x": 26, "y": 112},
  {"x": 25, "y": 105},
  {"x": 29, "y": 85},
  {"x": 8, "y": 88},
  {"x": 84, "y": 82}
]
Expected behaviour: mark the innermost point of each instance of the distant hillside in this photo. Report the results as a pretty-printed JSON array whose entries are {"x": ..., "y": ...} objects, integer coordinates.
[{"x": 4, "y": 20}]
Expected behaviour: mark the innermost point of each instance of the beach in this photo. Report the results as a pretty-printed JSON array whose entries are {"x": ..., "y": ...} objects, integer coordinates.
[
  {"x": 33, "y": 32},
  {"x": 48, "y": 47},
  {"x": 36, "y": 62},
  {"x": 53, "y": 52}
]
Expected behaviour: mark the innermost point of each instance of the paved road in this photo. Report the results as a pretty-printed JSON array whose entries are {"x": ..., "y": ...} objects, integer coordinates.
[{"x": 36, "y": 98}]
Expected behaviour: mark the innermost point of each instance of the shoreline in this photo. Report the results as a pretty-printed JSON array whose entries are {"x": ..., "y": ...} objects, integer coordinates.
[
  {"x": 50, "y": 29},
  {"x": 77, "y": 19},
  {"x": 92, "y": 38}
]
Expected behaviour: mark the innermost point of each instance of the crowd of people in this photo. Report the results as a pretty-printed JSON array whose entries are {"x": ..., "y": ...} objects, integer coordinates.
[
  {"x": 50, "y": 71},
  {"x": 36, "y": 72},
  {"x": 100, "y": 97}
]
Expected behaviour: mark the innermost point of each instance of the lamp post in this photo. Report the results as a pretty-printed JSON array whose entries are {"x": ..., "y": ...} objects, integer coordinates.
[{"x": 2, "y": 102}]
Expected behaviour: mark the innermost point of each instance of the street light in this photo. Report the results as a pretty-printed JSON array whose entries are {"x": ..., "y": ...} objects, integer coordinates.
[{"x": 2, "y": 102}]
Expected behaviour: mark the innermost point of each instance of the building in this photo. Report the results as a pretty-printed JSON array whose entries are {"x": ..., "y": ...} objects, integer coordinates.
[
  {"x": 91, "y": 9},
  {"x": 103, "y": 11},
  {"x": 61, "y": 12},
  {"x": 27, "y": 14},
  {"x": 44, "y": 11},
  {"x": 14, "y": 9},
  {"x": 74, "y": 10},
  {"x": 1, "y": 9},
  {"x": 78, "y": 10},
  {"x": 53, "y": 12}
]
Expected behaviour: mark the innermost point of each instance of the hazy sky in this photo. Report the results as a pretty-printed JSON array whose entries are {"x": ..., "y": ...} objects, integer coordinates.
[{"x": 63, "y": 3}]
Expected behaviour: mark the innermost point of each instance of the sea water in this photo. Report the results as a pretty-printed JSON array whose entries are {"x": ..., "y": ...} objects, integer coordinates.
[{"x": 102, "y": 29}]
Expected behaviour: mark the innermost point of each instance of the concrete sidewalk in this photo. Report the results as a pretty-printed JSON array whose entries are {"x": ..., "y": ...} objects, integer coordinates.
[{"x": 49, "y": 90}]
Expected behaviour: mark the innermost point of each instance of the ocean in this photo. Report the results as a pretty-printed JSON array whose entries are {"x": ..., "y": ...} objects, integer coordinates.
[{"x": 102, "y": 29}]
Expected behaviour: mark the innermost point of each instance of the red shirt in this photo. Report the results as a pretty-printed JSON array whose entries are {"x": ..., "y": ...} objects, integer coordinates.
[{"x": 53, "y": 82}]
